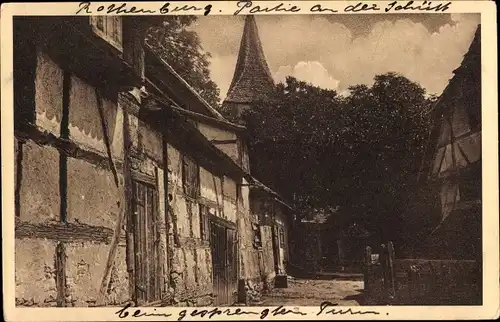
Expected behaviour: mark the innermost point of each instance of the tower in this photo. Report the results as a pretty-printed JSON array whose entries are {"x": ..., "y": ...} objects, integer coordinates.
[{"x": 252, "y": 79}]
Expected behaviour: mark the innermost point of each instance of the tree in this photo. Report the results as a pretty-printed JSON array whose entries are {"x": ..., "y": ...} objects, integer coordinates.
[
  {"x": 361, "y": 152},
  {"x": 182, "y": 49}
]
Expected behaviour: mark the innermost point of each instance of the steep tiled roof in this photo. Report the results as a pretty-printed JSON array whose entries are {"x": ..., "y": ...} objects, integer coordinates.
[{"x": 252, "y": 77}]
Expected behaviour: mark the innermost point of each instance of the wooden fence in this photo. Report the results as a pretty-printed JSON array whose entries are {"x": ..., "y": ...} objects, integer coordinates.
[{"x": 419, "y": 281}]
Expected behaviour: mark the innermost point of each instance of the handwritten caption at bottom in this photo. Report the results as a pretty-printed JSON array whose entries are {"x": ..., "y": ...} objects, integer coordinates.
[{"x": 326, "y": 308}]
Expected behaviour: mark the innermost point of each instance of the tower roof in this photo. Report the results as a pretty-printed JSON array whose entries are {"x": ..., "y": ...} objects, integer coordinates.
[{"x": 252, "y": 77}]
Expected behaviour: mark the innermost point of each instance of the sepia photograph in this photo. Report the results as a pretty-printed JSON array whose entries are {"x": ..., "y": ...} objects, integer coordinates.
[{"x": 247, "y": 160}]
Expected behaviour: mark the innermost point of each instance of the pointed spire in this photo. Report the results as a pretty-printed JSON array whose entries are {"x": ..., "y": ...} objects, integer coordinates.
[{"x": 252, "y": 77}]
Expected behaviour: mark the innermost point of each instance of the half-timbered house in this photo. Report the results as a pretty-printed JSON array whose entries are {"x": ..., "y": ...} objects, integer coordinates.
[{"x": 453, "y": 164}]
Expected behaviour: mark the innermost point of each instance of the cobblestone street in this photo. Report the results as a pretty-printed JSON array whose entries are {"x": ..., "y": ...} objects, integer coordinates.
[{"x": 309, "y": 292}]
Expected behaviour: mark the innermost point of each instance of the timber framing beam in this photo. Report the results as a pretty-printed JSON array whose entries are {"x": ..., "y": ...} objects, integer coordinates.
[
  {"x": 223, "y": 222},
  {"x": 64, "y": 232},
  {"x": 26, "y": 132},
  {"x": 223, "y": 141}
]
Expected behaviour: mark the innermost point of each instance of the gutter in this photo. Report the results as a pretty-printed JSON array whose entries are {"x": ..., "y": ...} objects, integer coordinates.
[
  {"x": 254, "y": 183},
  {"x": 223, "y": 123},
  {"x": 172, "y": 105}
]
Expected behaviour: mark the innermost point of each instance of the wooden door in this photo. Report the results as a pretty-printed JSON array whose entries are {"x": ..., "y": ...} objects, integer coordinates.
[
  {"x": 146, "y": 243},
  {"x": 224, "y": 263}
]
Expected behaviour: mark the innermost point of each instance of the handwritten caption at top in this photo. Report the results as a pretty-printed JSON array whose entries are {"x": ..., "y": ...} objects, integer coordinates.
[{"x": 248, "y": 7}]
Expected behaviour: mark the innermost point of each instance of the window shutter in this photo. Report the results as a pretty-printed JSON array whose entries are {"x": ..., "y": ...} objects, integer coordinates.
[
  {"x": 204, "y": 233},
  {"x": 190, "y": 177}
]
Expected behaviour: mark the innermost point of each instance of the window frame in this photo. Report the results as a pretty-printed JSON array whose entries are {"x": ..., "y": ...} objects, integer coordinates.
[
  {"x": 281, "y": 236},
  {"x": 187, "y": 162},
  {"x": 113, "y": 37},
  {"x": 257, "y": 236},
  {"x": 204, "y": 222}
]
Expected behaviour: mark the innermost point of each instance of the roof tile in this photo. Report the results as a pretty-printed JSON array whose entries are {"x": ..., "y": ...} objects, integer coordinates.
[{"x": 252, "y": 77}]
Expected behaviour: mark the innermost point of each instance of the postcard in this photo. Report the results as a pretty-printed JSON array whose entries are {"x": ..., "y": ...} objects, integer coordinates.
[{"x": 250, "y": 160}]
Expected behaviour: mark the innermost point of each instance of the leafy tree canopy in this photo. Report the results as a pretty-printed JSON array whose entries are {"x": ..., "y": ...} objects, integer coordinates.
[
  {"x": 181, "y": 48},
  {"x": 360, "y": 152}
]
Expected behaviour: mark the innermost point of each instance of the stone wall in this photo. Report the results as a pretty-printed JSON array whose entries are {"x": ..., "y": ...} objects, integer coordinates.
[{"x": 424, "y": 282}]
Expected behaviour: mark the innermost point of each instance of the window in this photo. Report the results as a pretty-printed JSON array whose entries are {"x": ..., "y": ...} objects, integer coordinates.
[
  {"x": 257, "y": 238},
  {"x": 190, "y": 177},
  {"x": 204, "y": 212},
  {"x": 108, "y": 28},
  {"x": 282, "y": 237},
  {"x": 100, "y": 23}
]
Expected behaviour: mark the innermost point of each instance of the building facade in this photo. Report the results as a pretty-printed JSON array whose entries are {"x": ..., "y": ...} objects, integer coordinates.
[
  {"x": 129, "y": 186},
  {"x": 70, "y": 159}
]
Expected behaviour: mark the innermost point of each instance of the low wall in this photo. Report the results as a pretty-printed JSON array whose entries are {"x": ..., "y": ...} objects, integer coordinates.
[{"x": 423, "y": 282}]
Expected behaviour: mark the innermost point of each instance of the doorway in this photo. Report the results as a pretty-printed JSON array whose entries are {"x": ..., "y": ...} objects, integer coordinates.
[
  {"x": 148, "y": 269},
  {"x": 223, "y": 244}
]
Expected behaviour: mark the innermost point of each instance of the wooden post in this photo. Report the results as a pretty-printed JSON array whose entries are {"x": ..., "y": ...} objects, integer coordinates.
[
  {"x": 242, "y": 293},
  {"x": 128, "y": 193},
  {"x": 383, "y": 265},
  {"x": 412, "y": 278},
  {"x": 391, "y": 258},
  {"x": 60, "y": 270},
  {"x": 368, "y": 262},
  {"x": 274, "y": 240},
  {"x": 121, "y": 212}
]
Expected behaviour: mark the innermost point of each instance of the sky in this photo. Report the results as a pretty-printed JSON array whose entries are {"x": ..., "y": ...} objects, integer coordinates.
[{"x": 336, "y": 51}]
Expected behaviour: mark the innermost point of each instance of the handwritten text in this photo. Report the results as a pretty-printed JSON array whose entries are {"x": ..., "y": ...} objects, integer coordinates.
[
  {"x": 325, "y": 308},
  {"x": 128, "y": 312},
  {"x": 425, "y": 6},
  {"x": 249, "y": 7},
  {"x": 124, "y": 9}
]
